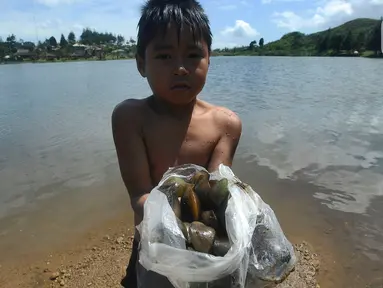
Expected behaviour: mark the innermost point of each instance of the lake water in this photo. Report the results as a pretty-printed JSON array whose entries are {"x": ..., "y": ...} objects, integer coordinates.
[{"x": 314, "y": 120}]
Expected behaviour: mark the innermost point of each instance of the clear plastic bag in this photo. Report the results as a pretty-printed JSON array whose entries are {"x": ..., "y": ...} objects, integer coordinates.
[{"x": 259, "y": 248}]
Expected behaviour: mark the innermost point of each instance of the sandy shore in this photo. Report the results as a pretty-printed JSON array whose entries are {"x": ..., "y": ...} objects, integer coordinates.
[
  {"x": 100, "y": 260},
  {"x": 102, "y": 263},
  {"x": 73, "y": 236}
]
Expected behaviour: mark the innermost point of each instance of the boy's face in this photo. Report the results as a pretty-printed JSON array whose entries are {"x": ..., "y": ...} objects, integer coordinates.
[{"x": 176, "y": 67}]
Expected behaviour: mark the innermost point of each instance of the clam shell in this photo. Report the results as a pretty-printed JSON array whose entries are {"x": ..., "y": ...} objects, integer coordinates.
[
  {"x": 202, "y": 237},
  {"x": 221, "y": 246},
  {"x": 219, "y": 192},
  {"x": 190, "y": 206},
  {"x": 176, "y": 185},
  {"x": 210, "y": 219}
]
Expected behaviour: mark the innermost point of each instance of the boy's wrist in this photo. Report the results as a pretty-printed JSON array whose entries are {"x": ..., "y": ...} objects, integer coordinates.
[{"x": 138, "y": 204}]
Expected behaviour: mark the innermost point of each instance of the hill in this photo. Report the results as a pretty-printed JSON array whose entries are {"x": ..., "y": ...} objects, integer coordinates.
[{"x": 362, "y": 35}]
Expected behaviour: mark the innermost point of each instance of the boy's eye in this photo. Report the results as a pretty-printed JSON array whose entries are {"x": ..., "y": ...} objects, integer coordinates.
[
  {"x": 195, "y": 55},
  {"x": 163, "y": 56}
]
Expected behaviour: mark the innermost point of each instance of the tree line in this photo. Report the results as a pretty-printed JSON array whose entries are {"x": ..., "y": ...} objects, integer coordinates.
[
  {"x": 340, "y": 40},
  {"x": 87, "y": 37}
]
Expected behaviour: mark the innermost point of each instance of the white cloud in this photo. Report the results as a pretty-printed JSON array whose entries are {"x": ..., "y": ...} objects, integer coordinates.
[
  {"x": 241, "y": 29},
  {"x": 38, "y": 22},
  {"x": 294, "y": 22},
  {"x": 329, "y": 13}
]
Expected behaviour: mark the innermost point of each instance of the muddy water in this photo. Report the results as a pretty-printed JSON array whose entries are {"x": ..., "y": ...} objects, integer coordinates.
[{"x": 311, "y": 145}]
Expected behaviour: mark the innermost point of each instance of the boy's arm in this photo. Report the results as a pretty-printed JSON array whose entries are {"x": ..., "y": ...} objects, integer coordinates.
[
  {"x": 231, "y": 127},
  {"x": 131, "y": 154}
]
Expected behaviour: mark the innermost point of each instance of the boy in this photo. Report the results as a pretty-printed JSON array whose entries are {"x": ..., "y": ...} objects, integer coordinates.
[{"x": 171, "y": 127}]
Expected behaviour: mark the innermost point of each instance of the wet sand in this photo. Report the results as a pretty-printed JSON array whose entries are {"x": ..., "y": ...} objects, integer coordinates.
[{"x": 79, "y": 231}]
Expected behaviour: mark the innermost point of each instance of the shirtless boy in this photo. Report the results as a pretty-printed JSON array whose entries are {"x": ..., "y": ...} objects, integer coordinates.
[{"x": 171, "y": 127}]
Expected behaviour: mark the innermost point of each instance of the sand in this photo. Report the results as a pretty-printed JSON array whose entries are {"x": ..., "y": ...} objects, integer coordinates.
[{"x": 100, "y": 261}]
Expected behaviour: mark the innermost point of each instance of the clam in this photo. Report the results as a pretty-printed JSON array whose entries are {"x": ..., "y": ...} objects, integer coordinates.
[
  {"x": 185, "y": 229},
  {"x": 190, "y": 206},
  {"x": 202, "y": 188},
  {"x": 173, "y": 201},
  {"x": 219, "y": 191},
  {"x": 200, "y": 174},
  {"x": 275, "y": 261},
  {"x": 220, "y": 213},
  {"x": 210, "y": 219},
  {"x": 202, "y": 237},
  {"x": 221, "y": 246},
  {"x": 177, "y": 185}
]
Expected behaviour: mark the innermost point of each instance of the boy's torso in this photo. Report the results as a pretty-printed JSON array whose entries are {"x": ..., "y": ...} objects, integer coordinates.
[{"x": 170, "y": 141}]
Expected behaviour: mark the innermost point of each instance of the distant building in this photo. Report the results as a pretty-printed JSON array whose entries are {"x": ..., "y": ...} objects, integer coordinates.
[{"x": 24, "y": 54}]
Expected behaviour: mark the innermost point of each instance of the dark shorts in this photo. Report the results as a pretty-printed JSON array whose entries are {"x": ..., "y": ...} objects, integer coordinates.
[
  {"x": 148, "y": 279},
  {"x": 136, "y": 272}
]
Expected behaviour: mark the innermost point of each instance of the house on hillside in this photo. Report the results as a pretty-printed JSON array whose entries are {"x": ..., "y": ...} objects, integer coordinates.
[
  {"x": 85, "y": 51},
  {"x": 24, "y": 54},
  {"x": 119, "y": 53}
]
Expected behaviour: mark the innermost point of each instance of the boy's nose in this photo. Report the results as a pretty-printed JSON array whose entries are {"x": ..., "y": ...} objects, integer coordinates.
[{"x": 181, "y": 70}]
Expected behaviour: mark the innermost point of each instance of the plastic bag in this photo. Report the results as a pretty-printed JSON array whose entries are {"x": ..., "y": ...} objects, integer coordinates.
[{"x": 259, "y": 249}]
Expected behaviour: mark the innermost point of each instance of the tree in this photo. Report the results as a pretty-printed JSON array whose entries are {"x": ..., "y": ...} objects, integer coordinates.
[
  {"x": 348, "y": 42},
  {"x": 261, "y": 42},
  {"x": 29, "y": 45},
  {"x": 359, "y": 41},
  {"x": 52, "y": 41},
  {"x": 132, "y": 41},
  {"x": 336, "y": 42},
  {"x": 63, "y": 42},
  {"x": 11, "y": 38},
  {"x": 120, "y": 40},
  {"x": 11, "y": 43},
  {"x": 374, "y": 38},
  {"x": 71, "y": 38},
  {"x": 90, "y": 37},
  {"x": 252, "y": 45},
  {"x": 297, "y": 40}
]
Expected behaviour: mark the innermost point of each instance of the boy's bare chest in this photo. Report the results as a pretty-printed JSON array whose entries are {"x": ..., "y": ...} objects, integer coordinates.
[{"x": 170, "y": 145}]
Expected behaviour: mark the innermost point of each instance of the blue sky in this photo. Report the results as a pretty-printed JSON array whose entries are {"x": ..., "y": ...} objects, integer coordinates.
[{"x": 233, "y": 22}]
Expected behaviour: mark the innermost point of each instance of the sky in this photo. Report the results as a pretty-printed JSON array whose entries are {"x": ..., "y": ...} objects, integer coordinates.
[{"x": 233, "y": 23}]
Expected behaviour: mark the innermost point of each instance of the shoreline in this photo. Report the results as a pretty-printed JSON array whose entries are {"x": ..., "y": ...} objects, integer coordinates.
[
  {"x": 222, "y": 55},
  {"x": 82, "y": 227},
  {"x": 99, "y": 260}
]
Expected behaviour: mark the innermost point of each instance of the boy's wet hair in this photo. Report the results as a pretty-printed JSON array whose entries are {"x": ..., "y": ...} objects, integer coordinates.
[{"x": 156, "y": 15}]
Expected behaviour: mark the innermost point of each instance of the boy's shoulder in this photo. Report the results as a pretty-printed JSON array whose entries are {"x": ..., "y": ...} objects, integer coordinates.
[
  {"x": 222, "y": 116},
  {"x": 130, "y": 111}
]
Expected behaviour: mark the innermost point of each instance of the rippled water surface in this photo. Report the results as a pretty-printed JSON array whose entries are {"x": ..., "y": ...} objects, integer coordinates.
[{"x": 319, "y": 120}]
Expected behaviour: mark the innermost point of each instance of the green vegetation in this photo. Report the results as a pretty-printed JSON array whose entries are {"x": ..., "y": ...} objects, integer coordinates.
[
  {"x": 91, "y": 45},
  {"x": 359, "y": 37}
]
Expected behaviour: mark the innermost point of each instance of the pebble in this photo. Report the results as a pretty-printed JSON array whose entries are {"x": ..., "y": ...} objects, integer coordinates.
[
  {"x": 62, "y": 283},
  {"x": 119, "y": 240},
  {"x": 54, "y": 275}
]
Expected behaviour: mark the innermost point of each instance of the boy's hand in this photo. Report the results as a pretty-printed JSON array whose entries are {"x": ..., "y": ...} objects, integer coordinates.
[
  {"x": 231, "y": 129},
  {"x": 131, "y": 154}
]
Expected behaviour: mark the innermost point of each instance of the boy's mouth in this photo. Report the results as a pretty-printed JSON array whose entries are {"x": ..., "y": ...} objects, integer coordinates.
[{"x": 180, "y": 86}]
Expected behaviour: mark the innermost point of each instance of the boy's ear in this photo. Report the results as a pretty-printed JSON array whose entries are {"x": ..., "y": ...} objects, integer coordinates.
[{"x": 140, "y": 65}]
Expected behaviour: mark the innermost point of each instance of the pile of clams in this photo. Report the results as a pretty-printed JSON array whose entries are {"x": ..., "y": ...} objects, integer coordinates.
[{"x": 199, "y": 205}]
